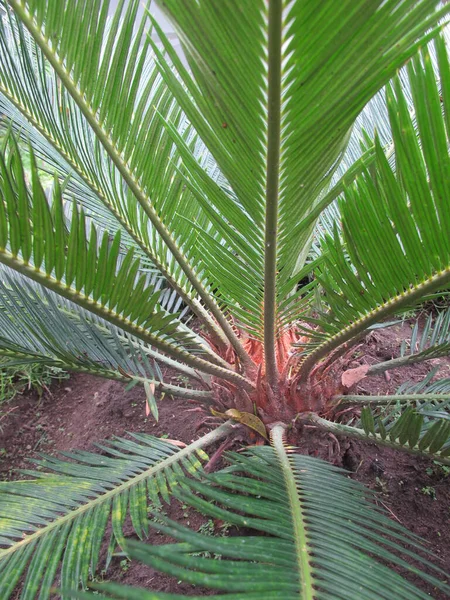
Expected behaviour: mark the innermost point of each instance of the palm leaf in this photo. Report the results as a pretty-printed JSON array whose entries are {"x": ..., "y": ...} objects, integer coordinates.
[
  {"x": 235, "y": 131},
  {"x": 360, "y": 152},
  {"x": 60, "y": 517},
  {"x": 37, "y": 326},
  {"x": 321, "y": 534},
  {"x": 428, "y": 341},
  {"x": 38, "y": 245},
  {"x": 44, "y": 113},
  {"x": 424, "y": 395},
  {"x": 426, "y": 385},
  {"x": 271, "y": 107},
  {"x": 122, "y": 88},
  {"x": 387, "y": 221},
  {"x": 431, "y": 341},
  {"x": 423, "y": 429}
]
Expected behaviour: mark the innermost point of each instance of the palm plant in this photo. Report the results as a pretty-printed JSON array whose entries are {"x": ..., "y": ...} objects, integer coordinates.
[{"x": 208, "y": 187}]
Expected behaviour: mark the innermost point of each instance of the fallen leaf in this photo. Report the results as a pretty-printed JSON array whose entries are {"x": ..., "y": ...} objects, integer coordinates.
[
  {"x": 354, "y": 376},
  {"x": 248, "y": 420},
  {"x": 176, "y": 443},
  {"x": 244, "y": 418}
]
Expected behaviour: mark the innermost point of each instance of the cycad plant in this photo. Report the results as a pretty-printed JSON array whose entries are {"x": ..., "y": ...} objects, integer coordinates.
[{"x": 215, "y": 184}]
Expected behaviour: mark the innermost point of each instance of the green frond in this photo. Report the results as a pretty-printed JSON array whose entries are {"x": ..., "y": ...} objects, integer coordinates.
[
  {"x": 94, "y": 274},
  {"x": 317, "y": 534},
  {"x": 426, "y": 396},
  {"x": 389, "y": 399},
  {"x": 395, "y": 249},
  {"x": 360, "y": 153},
  {"x": 43, "y": 113},
  {"x": 60, "y": 518},
  {"x": 228, "y": 245},
  {"x": 122, "y": 88},
  {"x": 237, "y": 132},
  {"x": 426, "y": 385},
  {"x": 35, "y": 103},
  {"x": 213, "y": 186},
  {"x": 422, "y": 428},
  {"x": 417, "y": 426},
  {"x": 430, "y": 341},
  {"x": 38, "y": 326}
]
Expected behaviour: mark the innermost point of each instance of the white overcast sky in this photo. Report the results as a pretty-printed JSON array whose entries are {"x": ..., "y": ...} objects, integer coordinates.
[
  {"x": 167, "y": 28},
  {"x": 159, "y": 16}
]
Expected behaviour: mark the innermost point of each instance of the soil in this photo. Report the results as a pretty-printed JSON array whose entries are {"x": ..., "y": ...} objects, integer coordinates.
[{"x": 84, "y": 410}]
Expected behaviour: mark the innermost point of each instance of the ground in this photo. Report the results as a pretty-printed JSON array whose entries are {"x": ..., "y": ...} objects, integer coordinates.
[{"x": 84, "y": 410}]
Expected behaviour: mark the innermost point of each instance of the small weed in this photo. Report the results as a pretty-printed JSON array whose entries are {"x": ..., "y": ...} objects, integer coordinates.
[
  {"x": 438, "y": 470},
  {"x": 444, "y": 468},
  {"x": 429, "y": 491},
  {"x": 225, "y": 528},
  {"x": 409, "y": 314},
  {"x": 124, "y": 565},
  {"x": 99, "y": 577},
  {"x": 209, "y": 529},
  {"x": 382, "y": 485},
  {"x": 16, "y": 379}
]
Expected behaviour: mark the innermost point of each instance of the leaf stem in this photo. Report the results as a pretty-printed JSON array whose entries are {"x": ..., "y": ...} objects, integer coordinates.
[
  {"x": 303, "y": 551},
  {"x": 175, "y": 390},
  {"x": 272, "y": 189},
  {"x": 96, "y": 370},
  {"x": 398, "y": 362},
  {"x": 355, "y": 399},
  {"x": 391, "y": 306},
  {"x": 360, "y": 434}
]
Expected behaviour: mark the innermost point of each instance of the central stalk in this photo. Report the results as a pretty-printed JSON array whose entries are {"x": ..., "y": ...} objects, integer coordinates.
[{"x": 272, "y": 190}]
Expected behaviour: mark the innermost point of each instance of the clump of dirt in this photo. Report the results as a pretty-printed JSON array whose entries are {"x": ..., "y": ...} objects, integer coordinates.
[
  {"x": 80, "y": 412},
  {"x": 85, "y": 410},
  {"x": 382, "y": 345}
]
